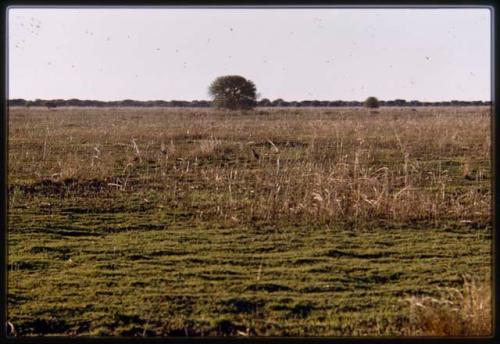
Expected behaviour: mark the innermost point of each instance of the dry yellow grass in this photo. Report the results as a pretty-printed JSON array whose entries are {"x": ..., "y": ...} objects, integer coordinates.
[
  {"x": 314, "y": 164},
  {"x": 465, "y": 312}
]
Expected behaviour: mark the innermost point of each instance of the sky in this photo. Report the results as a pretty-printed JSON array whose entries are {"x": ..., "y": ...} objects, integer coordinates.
[{"x": 294, "y": 54}]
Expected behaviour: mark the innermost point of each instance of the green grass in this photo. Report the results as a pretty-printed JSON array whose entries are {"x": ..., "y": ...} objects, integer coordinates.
[
  {"x": 177, "y": 252},
  {"x": 324, "y": 280}
]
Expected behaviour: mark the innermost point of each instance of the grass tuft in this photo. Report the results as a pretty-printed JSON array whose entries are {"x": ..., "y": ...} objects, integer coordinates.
[{"x": 465, "y": 312}]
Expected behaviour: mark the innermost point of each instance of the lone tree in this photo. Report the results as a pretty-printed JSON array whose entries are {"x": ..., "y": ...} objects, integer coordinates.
[
  {"x": 233, "y": 92},
  {"x": 371, "y": 103}
]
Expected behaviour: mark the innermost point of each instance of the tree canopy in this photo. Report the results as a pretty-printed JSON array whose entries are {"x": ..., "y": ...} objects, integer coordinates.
[
  {"x": 233, "y": 92},
  {"x": 371, "y": 103}
]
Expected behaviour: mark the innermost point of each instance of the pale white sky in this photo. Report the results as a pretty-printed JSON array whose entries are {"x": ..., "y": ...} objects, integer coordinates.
[{"x": 294, "y": 54}]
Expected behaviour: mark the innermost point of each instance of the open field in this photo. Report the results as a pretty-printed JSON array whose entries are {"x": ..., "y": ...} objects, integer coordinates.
[{"x": 134, "y": 221}]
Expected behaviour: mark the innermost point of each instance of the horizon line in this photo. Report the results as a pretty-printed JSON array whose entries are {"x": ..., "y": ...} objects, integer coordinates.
[{"x": 270, "y": 99}]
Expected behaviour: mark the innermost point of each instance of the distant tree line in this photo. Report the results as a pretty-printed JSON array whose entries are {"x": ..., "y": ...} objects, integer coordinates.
[
  {"x": 99, "y": 103},
  {"x": 54, "y": 103}
]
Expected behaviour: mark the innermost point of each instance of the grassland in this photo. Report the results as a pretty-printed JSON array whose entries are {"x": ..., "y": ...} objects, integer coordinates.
[{"x": 294, "y": 222}]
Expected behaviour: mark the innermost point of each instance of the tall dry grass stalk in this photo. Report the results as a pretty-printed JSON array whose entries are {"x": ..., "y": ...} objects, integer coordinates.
[{"x": 465, "y": 312}]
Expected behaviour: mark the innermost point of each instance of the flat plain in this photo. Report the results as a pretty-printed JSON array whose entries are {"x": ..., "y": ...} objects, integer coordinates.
[{"x": 272, "y": 222}]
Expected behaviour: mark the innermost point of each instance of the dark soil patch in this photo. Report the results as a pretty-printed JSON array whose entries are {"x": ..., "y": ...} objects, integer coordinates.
[
  {"x": 168, "y": 253},
  {"x": 337, "y": 253},
  {"x": 302, "y": 310},
  {"x": 305, "y": 261},
  {"x": 269, "y": 287},
  {"x": 323, "y": 289},
  {"x": 129, "y": 319},
  {"x": 30, "y": 266},
  {"x": 379, "y": 278},
  {"x": 43, "y": 326},
  {"x": 15, "y": 299},
  {"x": 226, "y": 327},
  {"x": 240, "y": 305},
  {"x": 138, "y": 331},
  {"x": 65, "y": 231},
  {"x": 139, "y": 257},
  {"x": 67, "y": 186}
]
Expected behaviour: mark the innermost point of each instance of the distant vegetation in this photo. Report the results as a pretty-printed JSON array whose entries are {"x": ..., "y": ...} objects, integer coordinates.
[
  {"x": 233, "y": 92},
  {"x": 372, "y": 103},
  {"x": 265, "y": 102}
]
